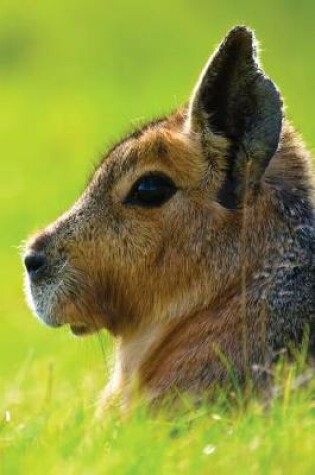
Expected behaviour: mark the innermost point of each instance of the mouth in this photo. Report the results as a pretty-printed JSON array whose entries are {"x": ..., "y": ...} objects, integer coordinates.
[
  {"x": 56, "y": 313},
  {"x": 77, "y": 330},
  {"x": 82, "y": 330}
]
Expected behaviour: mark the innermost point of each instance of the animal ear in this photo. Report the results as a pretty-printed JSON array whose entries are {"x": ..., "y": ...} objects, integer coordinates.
[{"x": 234, "y": 98}]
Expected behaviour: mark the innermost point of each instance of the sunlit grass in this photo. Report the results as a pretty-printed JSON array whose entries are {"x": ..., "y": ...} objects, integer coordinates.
[{"x": 49, "y": 422}]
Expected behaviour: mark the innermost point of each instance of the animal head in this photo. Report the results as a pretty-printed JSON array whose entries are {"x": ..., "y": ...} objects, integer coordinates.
[{"x": 157, "y": 233}]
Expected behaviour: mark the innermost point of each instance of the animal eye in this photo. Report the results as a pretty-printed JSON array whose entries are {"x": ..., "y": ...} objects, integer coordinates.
[{"x": 151, "y": 191}]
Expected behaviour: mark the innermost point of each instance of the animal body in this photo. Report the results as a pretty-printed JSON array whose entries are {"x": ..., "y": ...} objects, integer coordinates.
[{"x": 193, "y": 244}]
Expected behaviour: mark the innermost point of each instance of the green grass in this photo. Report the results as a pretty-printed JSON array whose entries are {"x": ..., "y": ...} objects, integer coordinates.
[
  {"x": 53, "y": 427},
  {"x": 74, "y": 76}
]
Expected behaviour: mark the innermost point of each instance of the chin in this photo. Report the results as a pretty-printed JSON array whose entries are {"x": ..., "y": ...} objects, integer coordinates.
[
  {"x": 54, "y": 308},
  {"x": 60, "y": 314},
  {"x": 82, "y": 330}
]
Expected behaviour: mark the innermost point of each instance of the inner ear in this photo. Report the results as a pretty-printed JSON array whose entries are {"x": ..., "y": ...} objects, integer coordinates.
[{"x": 234, "y": 98}]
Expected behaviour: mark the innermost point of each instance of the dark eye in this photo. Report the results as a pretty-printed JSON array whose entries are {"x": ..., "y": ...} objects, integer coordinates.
[{"x": 151, "y": 191}]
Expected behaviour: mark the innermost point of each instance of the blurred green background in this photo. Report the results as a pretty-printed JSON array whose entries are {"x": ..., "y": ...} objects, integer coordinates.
[{"x": 74, "y": 75}]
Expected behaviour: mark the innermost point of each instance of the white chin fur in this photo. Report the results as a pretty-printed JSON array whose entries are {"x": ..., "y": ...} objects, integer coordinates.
[
  {"x": 31, "y": 302},
  {"x": 28, "y": 294}
]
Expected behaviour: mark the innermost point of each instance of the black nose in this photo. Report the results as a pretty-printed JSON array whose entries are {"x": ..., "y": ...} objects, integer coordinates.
[{"x": 35, "y": 263}]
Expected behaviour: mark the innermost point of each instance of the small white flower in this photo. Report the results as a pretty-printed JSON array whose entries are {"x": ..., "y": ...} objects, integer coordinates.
[
  {"x": 209, "y": 449},
  {"x": 7, "y": 416},
  {"x": 216, "y": 417}
]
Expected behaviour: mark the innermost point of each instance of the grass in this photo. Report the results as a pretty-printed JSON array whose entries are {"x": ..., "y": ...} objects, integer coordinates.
[
  {"x": 51, "y": 424},
  {"x": 73, "y": 76}
]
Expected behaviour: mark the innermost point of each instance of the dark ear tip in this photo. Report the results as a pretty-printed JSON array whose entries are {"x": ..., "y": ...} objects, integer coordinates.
[
  {"x": 242, "y": 31},
  {"x": 241, "y": 34}
]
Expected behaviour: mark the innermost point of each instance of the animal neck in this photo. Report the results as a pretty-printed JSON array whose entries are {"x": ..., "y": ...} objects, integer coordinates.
[{"x": 136, "y": 349}]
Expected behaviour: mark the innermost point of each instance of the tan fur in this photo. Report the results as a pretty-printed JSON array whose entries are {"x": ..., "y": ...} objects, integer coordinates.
[{"x": 179, "y": 286}]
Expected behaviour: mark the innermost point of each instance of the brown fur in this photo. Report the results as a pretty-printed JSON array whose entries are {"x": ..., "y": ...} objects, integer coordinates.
[{"x": 187, "y": 286}]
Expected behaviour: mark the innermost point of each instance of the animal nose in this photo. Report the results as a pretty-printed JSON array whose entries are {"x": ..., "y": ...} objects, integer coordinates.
[{"x": 35, "y": 263}]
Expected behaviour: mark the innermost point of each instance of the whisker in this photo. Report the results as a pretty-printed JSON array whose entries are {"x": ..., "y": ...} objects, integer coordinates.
[{"x": 75, "y": 287}]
